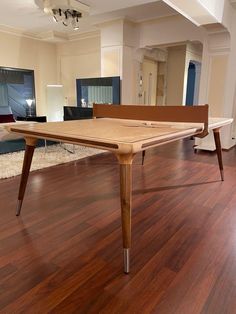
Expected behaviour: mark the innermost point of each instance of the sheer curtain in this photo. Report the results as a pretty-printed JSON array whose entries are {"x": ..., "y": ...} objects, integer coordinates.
[{"x": 3, "y": 95}]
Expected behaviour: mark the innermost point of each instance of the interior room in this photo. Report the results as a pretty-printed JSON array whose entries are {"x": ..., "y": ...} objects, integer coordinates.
[{"x": 117, "y": 156}]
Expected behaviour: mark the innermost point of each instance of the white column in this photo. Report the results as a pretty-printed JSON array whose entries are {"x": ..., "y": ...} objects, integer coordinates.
[
  {"x": 118, "y": 56},
  {"x": 111, "y": 48},
  {"x": 218, "y": 83}
]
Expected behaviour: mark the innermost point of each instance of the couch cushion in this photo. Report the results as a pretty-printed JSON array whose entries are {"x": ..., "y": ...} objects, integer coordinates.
[{"x": 6, "y": 118}]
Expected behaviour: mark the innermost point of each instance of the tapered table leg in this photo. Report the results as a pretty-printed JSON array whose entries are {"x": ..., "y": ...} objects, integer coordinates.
[
  {"x": 219, "y": 151},
  {"x": 29, "y": 152},
  {"x": 143, "y": 156},
  {"x": 125, "y": 199}
]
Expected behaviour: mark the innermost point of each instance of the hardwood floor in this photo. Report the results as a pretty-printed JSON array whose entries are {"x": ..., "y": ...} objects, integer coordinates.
[{"x": 64, "y": 253}]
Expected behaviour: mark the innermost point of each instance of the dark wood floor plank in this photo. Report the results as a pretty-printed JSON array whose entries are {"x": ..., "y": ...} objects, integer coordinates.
[
  {"x": 192, "y": 287},
  {"x": 55, "y": 288},
  {"x": 222, "y": 298},
  {"x": 64, "y": 254}
]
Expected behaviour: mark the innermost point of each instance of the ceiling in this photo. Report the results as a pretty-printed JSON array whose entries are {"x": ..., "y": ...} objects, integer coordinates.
[
  {"x": 233, "y": 2},
  {"x": 26, "y": 15}
]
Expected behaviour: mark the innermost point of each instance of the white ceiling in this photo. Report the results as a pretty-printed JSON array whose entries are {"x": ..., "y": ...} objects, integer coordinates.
[
  {"x": 27, "y": 16},
  {"x": 233, "y": 2}
]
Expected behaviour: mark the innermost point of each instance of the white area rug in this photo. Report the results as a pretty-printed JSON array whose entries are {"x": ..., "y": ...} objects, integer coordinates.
[{"x": 11, "y": 164}]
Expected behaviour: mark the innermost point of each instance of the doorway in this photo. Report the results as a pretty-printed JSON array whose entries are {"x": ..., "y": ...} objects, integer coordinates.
[
  {"x": 150, "y": 69},
  {"x": 193, "y": 82}
]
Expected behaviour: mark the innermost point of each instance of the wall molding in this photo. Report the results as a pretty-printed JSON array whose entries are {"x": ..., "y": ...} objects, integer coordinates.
[
  {"x": 49, "y": 36},
  {"x": 17, "y": 32}
]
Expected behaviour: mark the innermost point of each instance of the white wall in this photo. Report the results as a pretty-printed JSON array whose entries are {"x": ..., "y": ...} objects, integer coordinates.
[
  {"x": 200, "y": 12},
  {"x": 119, "y": 42},
  {"x": 26, "y": 53},
  {"x": 215, "y": 7},
  {"x": 52, "y": 63},
  {"x": 173, "y": 29},
  {"x": 175, "y": 75},
  {"x": 218, "y": 82},
  {"x": 77, "y": 59}
]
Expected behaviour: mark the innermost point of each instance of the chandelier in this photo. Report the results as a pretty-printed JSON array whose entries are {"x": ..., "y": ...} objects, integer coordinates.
[
  {"x": 67, "y": 12},
  {"x": 67, "y": 17}
]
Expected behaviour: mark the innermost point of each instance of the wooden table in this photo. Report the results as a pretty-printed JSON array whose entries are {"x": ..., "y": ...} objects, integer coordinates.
[{"x": 125, "y": 138}]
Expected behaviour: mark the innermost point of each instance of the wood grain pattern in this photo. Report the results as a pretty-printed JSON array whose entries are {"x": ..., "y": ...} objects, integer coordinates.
[
  {"x": 216, "y": 133},
  {"x": 29, "y": 152},
  {"x": 63, "y": 254},
  {"x": 118, "y": 135},
  {"x": 125, "y": 200},
  {"x": 143, "y": 156}
]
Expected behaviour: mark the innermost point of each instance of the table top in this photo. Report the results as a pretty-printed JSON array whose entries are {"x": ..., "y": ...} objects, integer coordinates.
[{"x": 118, "y": 135}]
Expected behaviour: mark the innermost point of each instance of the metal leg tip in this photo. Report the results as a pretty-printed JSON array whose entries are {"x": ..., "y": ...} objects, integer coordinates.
[
  {"x": 126, "y": 261},
  {"x": 18, "y": 207}
]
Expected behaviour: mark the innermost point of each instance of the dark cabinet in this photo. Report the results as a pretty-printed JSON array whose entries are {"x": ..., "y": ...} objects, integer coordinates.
[
  {"x": 33, "y": 118},
  {"x": 77, "y": 113}
]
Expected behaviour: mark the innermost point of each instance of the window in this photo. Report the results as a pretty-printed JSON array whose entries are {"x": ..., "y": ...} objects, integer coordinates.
[{"x": 17, "y": 86}]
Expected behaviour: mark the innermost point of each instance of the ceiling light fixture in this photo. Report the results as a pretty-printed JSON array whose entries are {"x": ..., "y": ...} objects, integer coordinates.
[{"x": 67, "y": 12}]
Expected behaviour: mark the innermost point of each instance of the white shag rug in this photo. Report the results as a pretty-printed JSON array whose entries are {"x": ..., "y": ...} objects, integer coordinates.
[{"x": 11, "y": 164}]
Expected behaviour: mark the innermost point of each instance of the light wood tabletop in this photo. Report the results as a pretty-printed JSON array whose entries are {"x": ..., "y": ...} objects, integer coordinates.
[{"x": 118, "y": 135}]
